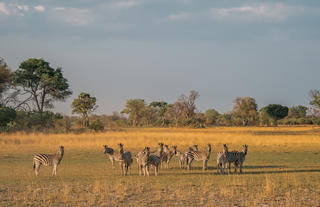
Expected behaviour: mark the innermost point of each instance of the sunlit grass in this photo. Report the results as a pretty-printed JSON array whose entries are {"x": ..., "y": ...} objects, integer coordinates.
[{"x": 281, "y": 169}]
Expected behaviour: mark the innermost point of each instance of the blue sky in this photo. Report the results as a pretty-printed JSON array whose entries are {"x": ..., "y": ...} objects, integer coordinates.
[{"x": 159, "y": 49}]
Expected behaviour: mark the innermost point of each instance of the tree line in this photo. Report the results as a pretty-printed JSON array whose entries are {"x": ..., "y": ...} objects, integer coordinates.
[{"x": 28, "y": 94}]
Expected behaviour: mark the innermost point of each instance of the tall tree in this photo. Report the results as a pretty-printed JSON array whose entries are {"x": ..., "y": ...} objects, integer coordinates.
[
  {"x": 315, "y": 98},
  {"x": 175, "y": 112},
  {"x": 84, "y": 105},
  {"x": 246, "y": 109},
  {"x": 277, "y": 112},
  {"x": 42, "y": 83},
  {"x": 188, "y": 103},
  {"x": 297, "y": 111},
  {"x": 161, "y": 108},
  {"x": 5, "y": 75},
  {"x": 135, "y": 109},
  {"x": 211, "y": 116}
]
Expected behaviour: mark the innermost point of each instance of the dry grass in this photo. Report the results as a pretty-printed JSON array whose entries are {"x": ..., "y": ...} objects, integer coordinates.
[{"x": 281, "y": 169}]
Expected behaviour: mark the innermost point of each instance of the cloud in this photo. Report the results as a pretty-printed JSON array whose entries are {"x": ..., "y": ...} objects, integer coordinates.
[
  {"x": 268, "y": 12},
  {"x": 126, "y": 4},
  {"x": 39, "y": 8},
  {"x": 73, "y": 16},
  {"x": 3, "y": 9},
  {"x": 178, "y": 16}
]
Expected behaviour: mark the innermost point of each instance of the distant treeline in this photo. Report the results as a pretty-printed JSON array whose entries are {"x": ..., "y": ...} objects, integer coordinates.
[{"x": 27, "y": 96}]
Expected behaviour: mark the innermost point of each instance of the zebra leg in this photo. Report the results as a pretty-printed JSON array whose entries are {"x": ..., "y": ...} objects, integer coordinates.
[
  {"x": 204, "y": 167},
  {"x": 189, "y": 164},
  {"x": 229, "y": 165},
  {"x": 140, "y": 169},
  {"x": 112, "y": 161},
  {"x": 54, "y": 170},
  {"x": 36, "y": 169},
  {"x": 147, "y": 170},
  {"x": 240, "y": 167},
  {"x": 180, "y": 163},
  {"x": 156, "y": 170}
]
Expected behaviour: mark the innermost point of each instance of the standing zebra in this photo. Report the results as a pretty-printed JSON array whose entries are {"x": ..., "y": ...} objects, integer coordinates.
[
  {"x": 192, "y": 148},
  {"x": 241, "y": 157},
  {"x": 181, "y": 156},
  {"x": 113, "y": 155},
  {"x": 235, "y": 157},
  {"x": 145, "y": 159},
  {"x": 168, "y": 154},
  {"x": 48, "y": 160},
  {"x": 221, "y": 162},
  {"x": 125, "y": 159},
  {"x": 159, "y": 152},
  {"x": 199, "y": 156}
]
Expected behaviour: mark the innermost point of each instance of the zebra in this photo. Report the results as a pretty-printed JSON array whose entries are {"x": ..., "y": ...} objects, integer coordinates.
[
  {"x": 113, "y": 155},
  {"x": 145, "y": 159},
  {"x": 125, "y": 159},
  {"x": 159, "y": 152},
  {"x": 168, "y": 154},
  {"x": 235, "y": 157},
  {"x": 241, "y": 157},
  {"x": 48, "y": 160},
  {"x": 221, "y": 162},
  {"x": 192, "y": 148},
  {"x": 181, "y": 156},
  {"x": 199, "y": 156}
]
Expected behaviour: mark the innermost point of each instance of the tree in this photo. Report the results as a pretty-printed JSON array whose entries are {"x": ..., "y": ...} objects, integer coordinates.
[
  {"x": 42, "y": 83},
  {"x": 246, "y": 109},
  {"x": 135, "y": 108},
  {"x": 211, "y": 116},
  {"x": 7, "y": 115},
  {"x": 84, "y": 105},
  {"x": 315, "y": 96},
  {"x": 5, "y": 76},
  {"x": 276, "y": 112},
  {"x": 297, "y": 111},
  {"x": 161, "y": 108},
  {"x": 188, "y": 103},
  {"x": 175, "y": 112}
]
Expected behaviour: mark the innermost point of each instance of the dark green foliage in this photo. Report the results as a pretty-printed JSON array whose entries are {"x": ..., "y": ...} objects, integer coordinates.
[
  {"x": 276, "y": 112},
  {"x": 43, "y": 83},
  {"x": 7, "y": 115},
  {"x": 211, "y": 117},
  {"x": 135, "y": 108},
  {"x": 5, "y": 76},
  {"x": 84, "y": 105},
  {"x": 96, "y": 125},
  {"x": 245, "y": 111},
  {"x": 297, "y": 111}
]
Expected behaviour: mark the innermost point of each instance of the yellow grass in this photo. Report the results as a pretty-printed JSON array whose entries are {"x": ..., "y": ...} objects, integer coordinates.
[{"x": 281, "y": 169}]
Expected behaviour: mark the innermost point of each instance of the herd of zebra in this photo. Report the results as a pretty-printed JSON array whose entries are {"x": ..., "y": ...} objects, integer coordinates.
[{"x": 146, "y": 158}]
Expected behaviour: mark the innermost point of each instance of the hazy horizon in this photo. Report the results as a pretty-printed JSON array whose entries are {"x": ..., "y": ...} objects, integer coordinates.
[{"x": 157, "y": 50}]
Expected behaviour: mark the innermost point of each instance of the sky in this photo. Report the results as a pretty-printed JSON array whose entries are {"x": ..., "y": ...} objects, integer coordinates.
[{"x": 156, "y": 50}]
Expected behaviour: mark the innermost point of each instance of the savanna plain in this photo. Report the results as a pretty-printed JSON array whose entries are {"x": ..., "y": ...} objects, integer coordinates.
[{"x": 282, "y": 168}]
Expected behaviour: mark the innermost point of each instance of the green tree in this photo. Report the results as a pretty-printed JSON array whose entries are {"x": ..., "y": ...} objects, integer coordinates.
[
  {"x": 135, "y": 108},
  {"x": 96, "y": 125},
  {"x": 5, "y": 76},
  {"x": 315, "y": 98},
  {"x": 188, "y": 104},
  {"x": 246, "y": 109},
  {"x": 42, "y": 83},
  {"x": 211, "y": 116},
  {"x": 7, "y": 115},
  {"x": 161, "y": 107},
  {"x": 297, "y": 111},
  {"x": 84, "y": 105},
  {"x": 277, "y": 112}
]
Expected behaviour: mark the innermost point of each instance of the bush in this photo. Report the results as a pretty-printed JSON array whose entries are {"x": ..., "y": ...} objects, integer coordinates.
[{"x": 96, "y": 125}]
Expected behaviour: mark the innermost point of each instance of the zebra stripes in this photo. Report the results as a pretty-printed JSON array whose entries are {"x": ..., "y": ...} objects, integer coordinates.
[
  {"x": 48, "y": 160},
  {"x": 124, "y": 158},
  {"x": 235, "y": 157},
  {"x": 199, "y": 156},
  {"x": 145, "y": 159}
]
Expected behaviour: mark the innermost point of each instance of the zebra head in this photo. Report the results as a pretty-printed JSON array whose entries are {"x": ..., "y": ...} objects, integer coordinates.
[
  {"x": 225, "y": 148},
  {"x": 166, "y": 148},
  {"x": 245, "y": 149},
  {"x": 209, "y": 148},
  {"x": 175, "y": 149},
  {"x": 61, "y": 150},
  {"x": 108, "y": 150},
  {"x": 120, "y": 145},
  {"x": 194, "y": 148}
]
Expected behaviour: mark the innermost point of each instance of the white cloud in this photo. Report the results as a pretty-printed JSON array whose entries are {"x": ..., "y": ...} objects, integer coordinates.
[
  {"x": 39, "y": 8},
  {"x": 3, "y": 9},
  {"x": 125, "y": 4},
  {"x": 178, "y": 16},
  {"x": 268, "y": 12},
  {"x": 73, "y": 16}
]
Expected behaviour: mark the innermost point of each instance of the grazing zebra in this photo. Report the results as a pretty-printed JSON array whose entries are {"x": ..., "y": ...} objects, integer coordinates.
[
  {"x": 221, "y": 162},
  {"x": 48, "y": 160},
  {"x": 125, "y": 159},
  {"x": 235, "y": 157},
  {"x": 181, "y": 156},
  {"x": 145, "y": 159},
  {"x": 199, "y": 156},
  {"x": 168, "y": 154}
]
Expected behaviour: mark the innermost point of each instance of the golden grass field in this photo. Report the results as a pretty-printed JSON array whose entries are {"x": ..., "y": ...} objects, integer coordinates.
[{"x": 282, "y": 168}]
